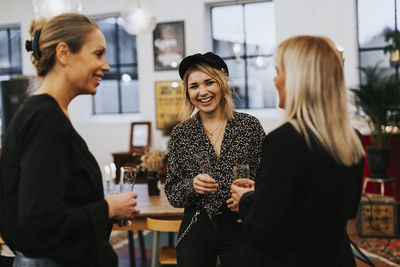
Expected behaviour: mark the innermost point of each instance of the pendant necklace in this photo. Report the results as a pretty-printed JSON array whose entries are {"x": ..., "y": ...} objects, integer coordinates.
[{"x": 211, "y": 134}]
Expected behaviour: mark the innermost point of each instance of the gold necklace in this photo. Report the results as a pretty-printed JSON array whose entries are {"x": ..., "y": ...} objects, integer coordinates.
[{"x": 211, "y": 134}]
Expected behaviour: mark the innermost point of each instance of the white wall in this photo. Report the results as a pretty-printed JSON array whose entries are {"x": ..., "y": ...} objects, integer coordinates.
[{"x": 335, "y": 19}]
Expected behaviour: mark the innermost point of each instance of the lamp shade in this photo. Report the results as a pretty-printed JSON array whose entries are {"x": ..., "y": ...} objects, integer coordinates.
[
  {"x": 138, "y": 16},
  {"x": 50, "y": 8}
]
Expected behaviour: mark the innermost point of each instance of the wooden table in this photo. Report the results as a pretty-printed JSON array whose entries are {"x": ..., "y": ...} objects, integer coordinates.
[{"x": 149, "y": 206}]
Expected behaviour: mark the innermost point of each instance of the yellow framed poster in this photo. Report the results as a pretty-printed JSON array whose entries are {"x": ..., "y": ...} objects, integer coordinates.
[{"x": 169, "y": 99}]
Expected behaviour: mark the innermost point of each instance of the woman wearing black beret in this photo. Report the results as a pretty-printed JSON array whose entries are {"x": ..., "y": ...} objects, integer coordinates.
[{"x": 204, "y": 148}]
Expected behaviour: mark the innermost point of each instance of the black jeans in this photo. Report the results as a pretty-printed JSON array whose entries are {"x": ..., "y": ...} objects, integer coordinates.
[{"x": 221, "y": 236}]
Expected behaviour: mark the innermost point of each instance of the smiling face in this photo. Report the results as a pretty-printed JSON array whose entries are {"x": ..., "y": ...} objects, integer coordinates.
[
  {"x": 204, "y": 92},
  {"x": 87, "y": 67}
]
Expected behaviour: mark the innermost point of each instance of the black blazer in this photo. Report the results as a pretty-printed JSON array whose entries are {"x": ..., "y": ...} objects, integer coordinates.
[
  {"x": 51, "y": 195},
  {"x": 298, "y": 212}
]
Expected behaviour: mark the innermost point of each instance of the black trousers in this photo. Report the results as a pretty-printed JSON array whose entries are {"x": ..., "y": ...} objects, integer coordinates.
[{"x": 221, "y": 236}]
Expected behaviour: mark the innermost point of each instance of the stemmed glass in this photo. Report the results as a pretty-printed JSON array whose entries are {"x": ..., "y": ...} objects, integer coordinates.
[
  {"x": 127, "y": 182},
  {"x": 241, "y": 176},
  {"x": 203, "y": 161}
]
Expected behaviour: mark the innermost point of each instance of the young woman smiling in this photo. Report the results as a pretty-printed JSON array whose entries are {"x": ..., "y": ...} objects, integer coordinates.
[{"x": 204, "y": 148}]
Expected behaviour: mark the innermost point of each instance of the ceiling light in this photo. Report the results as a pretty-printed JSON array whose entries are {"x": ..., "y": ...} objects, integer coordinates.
[
  {"x": 50, "y": 8},
  {"x": 138, "y": 17}
]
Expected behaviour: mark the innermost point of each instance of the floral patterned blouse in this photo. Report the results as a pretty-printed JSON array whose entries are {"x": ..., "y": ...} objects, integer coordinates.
[{"x": 190, "y": 149}]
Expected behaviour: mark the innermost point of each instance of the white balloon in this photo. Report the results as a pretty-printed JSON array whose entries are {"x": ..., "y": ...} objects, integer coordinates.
[
  {"x": 138, "y": 17},
  {"x": 50, "y": 8}
]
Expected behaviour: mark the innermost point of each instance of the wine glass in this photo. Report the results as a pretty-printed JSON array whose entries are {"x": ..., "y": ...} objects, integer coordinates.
[
  {"x": 241, "y": 174},
  {"x": 127, "y": 182},
  {"x": 203, "y": 161}
]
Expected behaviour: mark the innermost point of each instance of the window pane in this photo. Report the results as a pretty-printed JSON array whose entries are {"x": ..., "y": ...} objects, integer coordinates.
[
  {"x": 398, "y": 16},
  {"x": 260, "y": 28},
  {"x": 374, "y": 18},
  {"x": 129, "y": 91},
  {"x": 262, "y": 92},
  {"x": 250, "y": 26},
  {"x": 107, "y": 26},
  {"x": 127, "y": 45},
  {"x": 121, "y": 92},
  {"x": 236, "y": 72},
  {"x": 371, "y": 58},
  {"x": 130, "y": 96},
  {"x": 16, "y": 51},
  {"x": 106, "y": 98},
  {"x": 4, "y": 59},
  {"x": 228, "y": 30}
]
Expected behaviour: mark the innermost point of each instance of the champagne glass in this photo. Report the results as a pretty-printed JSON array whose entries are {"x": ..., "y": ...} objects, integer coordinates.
[
  {"x": 241, "y": 174},
  {"x": 203, "y": 160},
  {"x": 127, "y": 182}
]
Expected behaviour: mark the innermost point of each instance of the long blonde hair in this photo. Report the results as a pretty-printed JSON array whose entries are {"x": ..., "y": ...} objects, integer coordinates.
[
  {"x": 222, "y": 79},
  {"x": 316, "y": 95}
]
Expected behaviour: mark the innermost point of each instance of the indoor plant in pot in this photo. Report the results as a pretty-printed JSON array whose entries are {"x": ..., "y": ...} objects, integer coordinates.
[
  {"x": 378, "y": 101},
  {"x": 152, "y": 161}
]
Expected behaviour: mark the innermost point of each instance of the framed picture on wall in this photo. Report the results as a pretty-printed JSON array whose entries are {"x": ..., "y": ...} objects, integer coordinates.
[
  {"x": 168, "y": 45},
  {"x": 169, "y": 100},
  {"x": 140, "y": 137}
]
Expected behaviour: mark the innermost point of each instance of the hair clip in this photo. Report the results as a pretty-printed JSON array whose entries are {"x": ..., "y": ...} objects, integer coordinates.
[{"x": 33, "y": 45}]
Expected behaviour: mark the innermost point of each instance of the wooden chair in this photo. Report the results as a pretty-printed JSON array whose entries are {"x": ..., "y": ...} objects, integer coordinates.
[{"x": 165, "y": 255}]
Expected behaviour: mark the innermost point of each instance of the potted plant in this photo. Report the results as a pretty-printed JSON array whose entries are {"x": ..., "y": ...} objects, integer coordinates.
[
  {"x": 394, "y": 46},
  {"x": 378, "y": 101},
  {"x": 153, "y": 160}
]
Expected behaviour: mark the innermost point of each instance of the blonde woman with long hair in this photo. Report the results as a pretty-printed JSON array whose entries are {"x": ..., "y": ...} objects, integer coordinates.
[{"x": 309, "y": 184}]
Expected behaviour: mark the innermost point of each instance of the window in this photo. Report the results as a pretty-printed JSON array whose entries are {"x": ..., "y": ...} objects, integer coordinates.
[
  {"x": 10, "y": 52},
  {"x": 119, "y": 91},
  {"x": 375, "y": 18},
  {"x": 244, "y": 36}
]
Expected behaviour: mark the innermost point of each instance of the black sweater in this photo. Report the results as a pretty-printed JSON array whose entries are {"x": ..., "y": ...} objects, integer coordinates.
[
  {"x": 298, "y": 212},
  {"x": 51, "y": 195}
]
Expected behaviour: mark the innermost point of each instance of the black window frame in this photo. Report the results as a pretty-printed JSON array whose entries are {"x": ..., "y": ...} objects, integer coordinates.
[
  {"x": 12, "y": 71},
  {"x": 245, "y": 57},
  {"x": 117, "y": 66},
  {"x": 377, "y": 48}
]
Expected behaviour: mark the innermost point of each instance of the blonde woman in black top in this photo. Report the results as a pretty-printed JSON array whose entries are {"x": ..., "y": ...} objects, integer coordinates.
[
  {"x": 53, "y": 211},
  {"x": 204, "y": 148},
  {"x": 309, "y": 183}
]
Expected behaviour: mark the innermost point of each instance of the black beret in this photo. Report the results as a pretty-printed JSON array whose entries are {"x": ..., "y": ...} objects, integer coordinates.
[{"x": 208, "y": 58}]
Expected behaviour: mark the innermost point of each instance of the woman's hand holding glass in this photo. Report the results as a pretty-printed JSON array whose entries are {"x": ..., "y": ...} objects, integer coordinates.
[
  {"x": 236, "y": 194},
  {"x": 241, "y": 184},
  {"x": 122, "y": 206},
  {"x": 203, "y": 184}
]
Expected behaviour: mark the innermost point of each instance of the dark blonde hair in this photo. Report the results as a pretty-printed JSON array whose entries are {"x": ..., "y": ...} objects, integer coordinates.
[
  {"x": 222, "y": 79},
  {"x": 71, "y": 28},
  {"x": 316, "y": 99}
]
